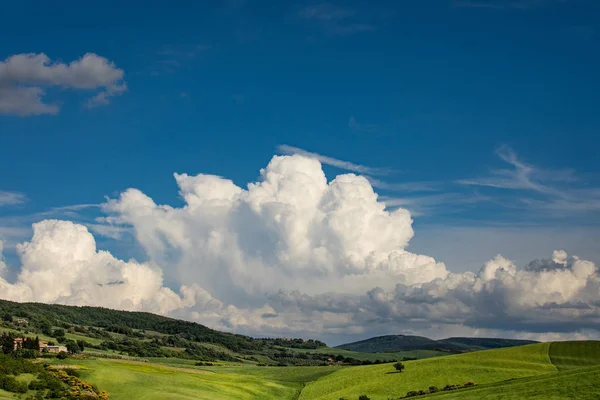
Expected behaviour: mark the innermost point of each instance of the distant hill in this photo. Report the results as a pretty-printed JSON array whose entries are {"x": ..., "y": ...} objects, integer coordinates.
[{"x": 389, "y": 343}]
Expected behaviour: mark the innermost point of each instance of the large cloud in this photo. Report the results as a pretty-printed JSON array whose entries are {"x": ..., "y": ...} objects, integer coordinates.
[
  {"x": 296, "y": 253},
  {"x": 23, "y": 78}
]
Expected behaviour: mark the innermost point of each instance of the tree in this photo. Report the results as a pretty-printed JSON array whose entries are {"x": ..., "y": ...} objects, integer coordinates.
[
  {"x": 364, "y": 397},
  {"x": 7, "y": 343},
  {"x": 81, "y": 344},
  {"x": 7, "y": 317},
  {"x": 58, "y": 333},
  {"x": 45, "y": 327},
  {"x": 72, "y": 347},
  {"x": 62, "y": 355},
  {"x": 399, "y": 366}
]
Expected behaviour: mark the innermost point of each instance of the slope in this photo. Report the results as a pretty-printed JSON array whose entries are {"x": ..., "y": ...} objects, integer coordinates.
[
  {"x": 380, "y": 382},
  {"x": 575, "y": 354}
]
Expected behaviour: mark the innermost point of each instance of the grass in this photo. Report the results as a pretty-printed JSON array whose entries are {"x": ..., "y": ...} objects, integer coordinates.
[
  {"x": 581, "y": 384},
  {"x": 380, "y": 382},
  {"x": 570, "y": 355},
  {"x": 149, "y": 381},
  {"x": 539, "y": 371},
  {"x": 6, "y": 395},
  {"x": 76, "y": 337},
  {"x": 396, "y": 355},
  {"x": 31, "y": 334}
]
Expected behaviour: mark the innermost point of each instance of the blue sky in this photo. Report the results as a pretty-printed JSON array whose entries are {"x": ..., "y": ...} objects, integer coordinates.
[
  {"x": 430, "y": 89},
  {"x": 480, "y": 117}
]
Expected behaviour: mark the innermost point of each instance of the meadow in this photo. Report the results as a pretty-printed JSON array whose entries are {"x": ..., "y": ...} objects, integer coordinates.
[
  {"x": 500, "y": 367},
  {"x": 392, "y": 355},
  {"x": 540, "y": 371}
]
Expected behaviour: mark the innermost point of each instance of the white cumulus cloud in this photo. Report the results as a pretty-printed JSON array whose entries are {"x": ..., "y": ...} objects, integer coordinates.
[{"x": 297, "y": 253}]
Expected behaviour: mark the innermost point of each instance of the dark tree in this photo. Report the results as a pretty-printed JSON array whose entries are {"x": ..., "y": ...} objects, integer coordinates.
[
  {"x": 72, "y": 347},
  {"x": 7, "y": 317},
  {"x": 7, "y": 344},
  {"x": 399, "y": 366},
  {"x": 58, "y": 333},
  {"x": 81, "y": 344},
  {"x": 62, "y": 355}
]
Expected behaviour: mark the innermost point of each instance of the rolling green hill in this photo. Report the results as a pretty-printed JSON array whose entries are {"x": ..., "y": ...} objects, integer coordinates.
[
  {"x": 574, "y": 354},
  {"x": 498, "y": 367},
  {"x": 148, "y": 357},
  {"x": 389, "y": 343}
]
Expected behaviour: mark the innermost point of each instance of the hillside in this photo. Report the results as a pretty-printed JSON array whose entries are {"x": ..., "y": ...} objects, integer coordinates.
[
  {"x": 390, "y": 343},
  {"x": 146, "y": 335},
  {"x": 499, "y": 373}
]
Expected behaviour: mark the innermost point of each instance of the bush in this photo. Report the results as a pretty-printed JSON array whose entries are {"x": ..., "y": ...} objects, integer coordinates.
[
  {"x": 62, "y": 355},
  {"x": 57, "y": 333},
  {"x": 433, "y": 389},
  {"x": 364, "y": 397},
  {"x": 10, "y": 384}
]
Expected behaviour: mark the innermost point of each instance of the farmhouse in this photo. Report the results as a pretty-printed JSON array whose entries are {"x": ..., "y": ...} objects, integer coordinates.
[{"x": 52, "y": 349}]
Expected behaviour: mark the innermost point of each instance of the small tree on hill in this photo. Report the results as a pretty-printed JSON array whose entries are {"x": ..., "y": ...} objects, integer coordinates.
[
  {"x": 62, "y": 355},
  {"x": 73, "y": 347},
  {"x": 364, "y": 397},
  {"x": 399, "y": 366}
]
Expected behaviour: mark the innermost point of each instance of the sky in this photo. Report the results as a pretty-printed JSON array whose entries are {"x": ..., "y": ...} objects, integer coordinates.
[{"x": 334, "y": 170}]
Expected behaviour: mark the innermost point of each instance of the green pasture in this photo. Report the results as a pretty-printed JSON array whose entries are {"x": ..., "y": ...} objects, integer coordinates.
[
  {"x": 149, "y": 381},
  {"x": 396, "y": 355},
  {"x": 581, "y": 384},
  {"x": 381, "y": 382},
  {"x": 575, "y": 354}
]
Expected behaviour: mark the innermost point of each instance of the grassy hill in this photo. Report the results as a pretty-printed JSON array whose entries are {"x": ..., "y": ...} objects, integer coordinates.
[
  {"x": 148, "y": 357},
  {"x": 389, "y": 343},
  {"x": 497, "y": 367}
]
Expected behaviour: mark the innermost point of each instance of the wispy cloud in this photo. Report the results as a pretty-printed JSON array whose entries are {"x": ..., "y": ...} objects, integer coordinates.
[
  {"x": 521, "y": 176},
  {"x": 334, "y": 162},
  {"x": 363, "y": 128},
  {"x": 337, "y": 20},
  {"x": 405, "y": 186},
  {"x": 12, "y": 198},
  {"x": 431, "y": 204},
  {"x": 558, "y": 191}
]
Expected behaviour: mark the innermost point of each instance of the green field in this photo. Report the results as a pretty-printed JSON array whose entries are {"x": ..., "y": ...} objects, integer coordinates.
[
  {"x": 380, "y": 382},
  {"x": 540, "y": 371},
  {"x": 570, "y": 355},
  {"x": 581, "y": 384},
  {"x": 149, "y": 381},
  {"x": 396, "y": 355}
]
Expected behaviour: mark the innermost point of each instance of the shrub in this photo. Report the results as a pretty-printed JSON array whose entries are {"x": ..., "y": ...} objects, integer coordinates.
[
  {"x": 364, "y": 397},
  {"x": 433, "y": 389},
  {"x": 57, "y": 333},
  {"x": 10, "y": 384},
  {"x": 62, "y": 355}
]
